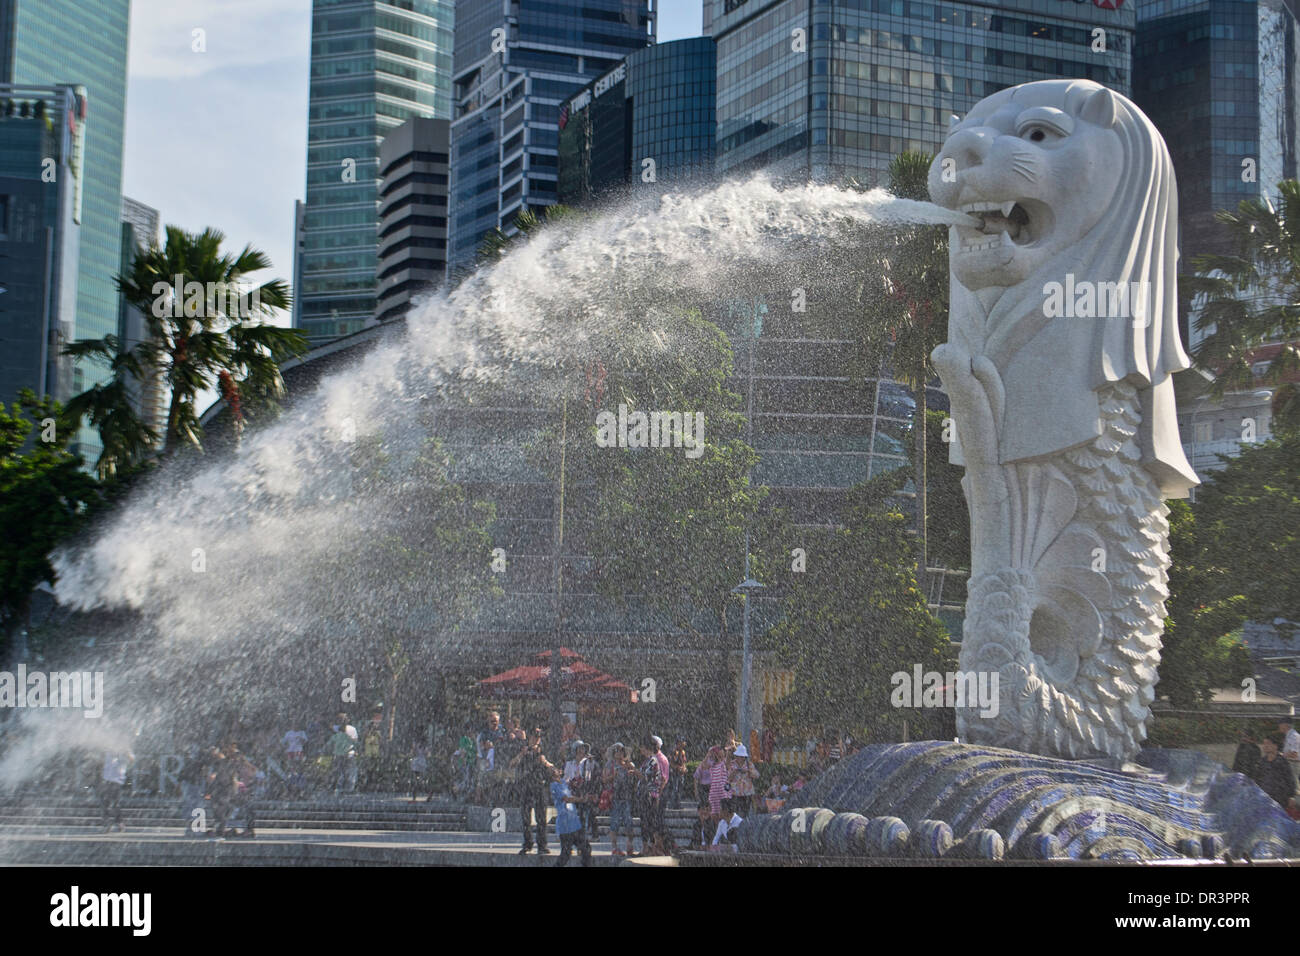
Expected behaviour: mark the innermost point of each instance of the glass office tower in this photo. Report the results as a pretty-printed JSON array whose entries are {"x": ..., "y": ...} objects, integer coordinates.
[
  {"x": 837, "y": 88},
  {"x": 516, "y": 62},
  {"x": 656, "y": 106},
  {"x": 44, "y": 42},
  {"x": 39, "y": 236},
  {"x": 374, "y": 65},
  {"x": 1219, "y": 80}
]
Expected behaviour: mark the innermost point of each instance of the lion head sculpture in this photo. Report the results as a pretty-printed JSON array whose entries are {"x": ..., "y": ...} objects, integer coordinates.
[{"x": 1071, "y": 184}]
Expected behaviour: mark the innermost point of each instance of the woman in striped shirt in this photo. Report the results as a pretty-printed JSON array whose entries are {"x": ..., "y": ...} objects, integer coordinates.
[{"x": 717, "y": 777}]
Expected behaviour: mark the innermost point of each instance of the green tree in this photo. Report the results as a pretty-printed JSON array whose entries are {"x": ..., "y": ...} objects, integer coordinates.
[
  {"x": 1251, "y": 297},
  {"x": 947, "y": 515},
  {"x": 45, "y": 497},
  {"x": 206, "y": 329},
  {"x": 1200, "y": 652},
  {"x": 857, "y": 618},
  {"x": 905, "y": 313},
  {"x": 527, "y": 223},
  {"x": 1248, "y": 524},
  {"x": 677, "y": 520}
]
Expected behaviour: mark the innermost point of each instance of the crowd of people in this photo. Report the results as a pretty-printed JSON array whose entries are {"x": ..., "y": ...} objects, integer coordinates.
[{"x": 504, "y": 765}]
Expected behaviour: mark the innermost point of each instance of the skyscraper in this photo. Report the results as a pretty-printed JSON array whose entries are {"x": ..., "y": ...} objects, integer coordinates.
[
  {"x": 839, "y": 88},
  {"x": 43, "y": 42},
  {"x": 1219, "y": 79},
  {"x": 515, "y": 63},
  {"x": 41, "y": 137},
  {"x": 649, "y": 120},
  {"x": 412, "y": 213},
  {"x": 374, "y": 65},
  {"x": 149, "y": 397}
]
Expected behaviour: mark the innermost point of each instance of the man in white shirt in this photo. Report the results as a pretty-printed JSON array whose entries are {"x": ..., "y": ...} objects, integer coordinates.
[
  {"x": 726, "y": 833},
  {"x": 1290, "y": 746}
]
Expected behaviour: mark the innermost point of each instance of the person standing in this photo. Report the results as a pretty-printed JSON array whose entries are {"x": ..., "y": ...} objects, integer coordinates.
[
  {"x": 1290, "y": 746},
  {"x": 1272, "y": 774},
  {"x": 511, "y": 745},
  {"x": 343, "y": 747},
  {"x": 741, "y": 778},
  {"x": 569, "y": 826},
  {"x": 372, "y": 748},
  {"x": 585, "y": 786},
  {"x": 488, "y": 764},
  {"x": 620, "y": 780},
  {"x": 193, "y": 775},
  {"x": 678, "y": 769},
  {"x": 534, "y": 772},
  {"x": 244, "y": 777},
  {"x": 1246, "y": 758},
  {"x": 112, "y": 781},
  {"x": 655, "y": 772}
]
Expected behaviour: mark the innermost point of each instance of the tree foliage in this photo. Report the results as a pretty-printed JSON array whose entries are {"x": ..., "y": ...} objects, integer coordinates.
[
  {"x": 1251, "y": 297},
  {"x": 1248, "y": 523},
  {"x": 213, "y": 337},
  {"x": 856, "y": 619},
  {"x": 1199, "y": 652},
  {"x": 45, "y": 497}
]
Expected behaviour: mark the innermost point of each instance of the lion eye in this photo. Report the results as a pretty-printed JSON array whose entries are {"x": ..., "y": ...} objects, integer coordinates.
[{"x": 1039, "y": 132}]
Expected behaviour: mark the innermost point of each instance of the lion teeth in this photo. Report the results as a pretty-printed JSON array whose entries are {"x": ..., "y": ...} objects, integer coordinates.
[
  {"x": 1006, "y": 208},
  {"x": 1006, "y": 242}
]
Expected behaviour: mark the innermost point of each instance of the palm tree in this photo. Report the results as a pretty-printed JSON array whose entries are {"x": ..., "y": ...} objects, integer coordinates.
[
  {"x": 206, "y": 327},
  {"x": 496, "y": 243},
  {"x": 906, "y": 318},
  {"x": 1252, "y": 298}
]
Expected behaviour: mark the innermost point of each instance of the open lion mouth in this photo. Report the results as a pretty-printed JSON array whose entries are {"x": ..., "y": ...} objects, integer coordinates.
[{"x": 1001, "y": 224}]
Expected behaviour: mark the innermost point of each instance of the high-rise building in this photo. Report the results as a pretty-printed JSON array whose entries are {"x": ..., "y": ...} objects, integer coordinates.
[
  {"x": 299, "y": 241},
  {"x": 1219, "y": 79},
  {"x": 412, "y": 213},
  {"x": 516, "y": 62},
  {"x": 649, "y": 120},
  {"x": 44, "y": 42},
  {"x": 836, "y": 89},
  {"x": 374, "y": 65},
  {"x": 149, "y": 398},
  {"x": 42, "y": 142}
]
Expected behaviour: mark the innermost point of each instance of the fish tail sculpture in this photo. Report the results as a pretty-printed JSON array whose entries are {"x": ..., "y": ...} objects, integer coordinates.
[{"x": 1061, "y": 344}]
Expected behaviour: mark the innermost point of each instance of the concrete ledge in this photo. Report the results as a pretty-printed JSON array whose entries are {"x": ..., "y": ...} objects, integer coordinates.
[{"x": 279, "y": 848}]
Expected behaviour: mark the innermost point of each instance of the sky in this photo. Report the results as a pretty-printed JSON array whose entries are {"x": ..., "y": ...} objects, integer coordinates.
[{"x": 219, "y": 137}]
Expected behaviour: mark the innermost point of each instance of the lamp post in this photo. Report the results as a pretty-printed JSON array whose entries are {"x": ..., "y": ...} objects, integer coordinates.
[{"x": 744, "y": 589}]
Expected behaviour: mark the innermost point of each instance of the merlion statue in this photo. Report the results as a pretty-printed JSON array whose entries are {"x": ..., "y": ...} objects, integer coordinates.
[{"x": 1062, "y": 338}]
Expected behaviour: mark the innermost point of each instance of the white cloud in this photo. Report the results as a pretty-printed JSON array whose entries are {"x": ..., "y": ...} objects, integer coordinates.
[
  {"x": 235, "y": 33},
  {"x": 220, "y": 138}
]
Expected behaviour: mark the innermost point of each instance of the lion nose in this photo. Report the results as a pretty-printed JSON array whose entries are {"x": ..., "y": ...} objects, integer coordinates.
[{"x": 969, "y": 147}]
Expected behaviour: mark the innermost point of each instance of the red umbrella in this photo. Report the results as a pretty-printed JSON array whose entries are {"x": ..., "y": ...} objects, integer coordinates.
[{"x": 578, "y": 681}]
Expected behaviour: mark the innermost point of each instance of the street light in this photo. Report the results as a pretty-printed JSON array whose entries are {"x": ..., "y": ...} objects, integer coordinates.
[{"x": 744, "y": 589}]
